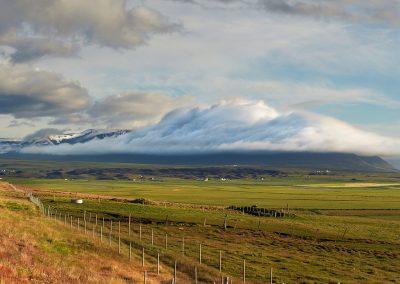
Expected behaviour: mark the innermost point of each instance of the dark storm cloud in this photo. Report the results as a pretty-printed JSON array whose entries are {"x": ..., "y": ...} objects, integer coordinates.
[{"x": 27, "y": 93}]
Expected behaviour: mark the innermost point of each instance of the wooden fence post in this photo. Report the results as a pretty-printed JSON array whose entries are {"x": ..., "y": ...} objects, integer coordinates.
[
  {"x": 129, "y": 225},
  {"x": 175, "y": 273},
  {"x": 166, "y": 241},
  {"x": 78, "y": 223},
  {"x": 200, "y": 253},
  {"x": 220, "y": 261},
  {"x": 152, "y": 237},
  {"x": 225, "y": 222},
  {"x": 145, "y": 277},
  {"x": 101, "y": 234},
  {"x": 158, "y": 263},
  {"x": 119, "y": 243},
  {"x": 195, "y": 274},
  {"x": 244, "y": 271},
  {"x": 183, "y": 245},
  {"x": 140, "y": 232},
  {"x": 143, "y": 257},
  {"x": 270, "y": 273},
  {"x": 130, "y": 251}
]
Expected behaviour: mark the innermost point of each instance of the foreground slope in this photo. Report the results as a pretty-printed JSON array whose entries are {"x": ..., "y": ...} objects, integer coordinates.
[{"x": 36, "y": 249}]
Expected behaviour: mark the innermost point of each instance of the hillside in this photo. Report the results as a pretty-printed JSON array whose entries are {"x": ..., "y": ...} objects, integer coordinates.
[
  {"x": 278, "y": 160},
  {"x": 36, "y": 249}
]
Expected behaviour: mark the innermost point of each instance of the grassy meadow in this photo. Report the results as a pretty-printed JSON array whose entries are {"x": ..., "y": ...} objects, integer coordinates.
[
  {"x": 341, "y": 229},
  {"x": 297, "y": 192}
]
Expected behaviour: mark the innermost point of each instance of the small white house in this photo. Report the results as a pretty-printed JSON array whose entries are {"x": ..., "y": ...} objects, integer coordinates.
[{"x": 77, "y": 201}]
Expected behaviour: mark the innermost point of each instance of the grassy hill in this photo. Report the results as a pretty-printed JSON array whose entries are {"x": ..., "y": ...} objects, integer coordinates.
[{"x": 37, "y": 249}]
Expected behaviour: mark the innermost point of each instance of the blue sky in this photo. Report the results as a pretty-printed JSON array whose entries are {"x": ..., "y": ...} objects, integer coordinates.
[{"x": 334, "y": 58}]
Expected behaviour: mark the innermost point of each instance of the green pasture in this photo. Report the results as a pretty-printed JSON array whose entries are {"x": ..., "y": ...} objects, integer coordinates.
[
  {"x": 310, "y": 247},
  {"x": 342, "y": 230},
  {"x": 273, "y": 193}
]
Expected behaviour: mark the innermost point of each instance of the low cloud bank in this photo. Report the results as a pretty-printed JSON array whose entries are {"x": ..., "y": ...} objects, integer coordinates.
[{"x": 236, "y": 126}]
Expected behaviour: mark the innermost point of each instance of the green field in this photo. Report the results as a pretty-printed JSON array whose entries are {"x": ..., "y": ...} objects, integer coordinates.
[
  {"x": 342, "y": 230},
  {"x": 298, "y": 193}
]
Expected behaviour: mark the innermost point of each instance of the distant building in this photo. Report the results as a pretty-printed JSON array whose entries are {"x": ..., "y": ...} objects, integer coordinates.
[{"x": 320, "y": 172}]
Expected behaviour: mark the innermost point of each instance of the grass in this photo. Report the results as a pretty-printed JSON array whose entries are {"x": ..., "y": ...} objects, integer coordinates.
[
  {"x": 296, "y": 192},
  {"x": 339, "y": 233},
  {"x": 321, "y": 244},
  {"x": 39, "y": 250}
]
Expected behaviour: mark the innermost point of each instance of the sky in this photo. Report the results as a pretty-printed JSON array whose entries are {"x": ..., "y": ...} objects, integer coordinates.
[{"x": 316, "y": 64}]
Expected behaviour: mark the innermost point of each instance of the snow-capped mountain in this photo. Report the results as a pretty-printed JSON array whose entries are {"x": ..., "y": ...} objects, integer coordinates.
[{"x": 8, "y": 145}]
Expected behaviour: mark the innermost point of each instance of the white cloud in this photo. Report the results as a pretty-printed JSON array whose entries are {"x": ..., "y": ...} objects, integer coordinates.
[
  {"x": 238, "y": 126},
  {"x": 134, "y": 109},
  {"x": 66, "y": 22}
]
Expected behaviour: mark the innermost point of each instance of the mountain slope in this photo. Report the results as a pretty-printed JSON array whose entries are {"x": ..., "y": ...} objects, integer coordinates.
[
  {"x": 290, "y": 160},
  {"x": 306, "y": 160},
  {"x": 8, "y": 145}
]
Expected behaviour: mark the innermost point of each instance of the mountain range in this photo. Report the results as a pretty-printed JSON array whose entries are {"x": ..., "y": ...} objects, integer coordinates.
[
  {"x": 10, "y": 145},
  {"x": 306, "y": 160}
]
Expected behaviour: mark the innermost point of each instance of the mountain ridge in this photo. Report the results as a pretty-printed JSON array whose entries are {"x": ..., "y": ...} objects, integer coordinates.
[
  {"x": 306, "y": 160},
  {"x": 14, "y": 145},
  {"x": 293, "y": 160}
]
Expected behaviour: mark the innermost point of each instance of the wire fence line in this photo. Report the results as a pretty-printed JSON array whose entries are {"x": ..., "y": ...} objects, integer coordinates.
[{"x": 148, "y": 253}]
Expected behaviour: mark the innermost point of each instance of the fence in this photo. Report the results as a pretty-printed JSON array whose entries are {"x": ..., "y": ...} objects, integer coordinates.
[{"x": 149, "y": 251}]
